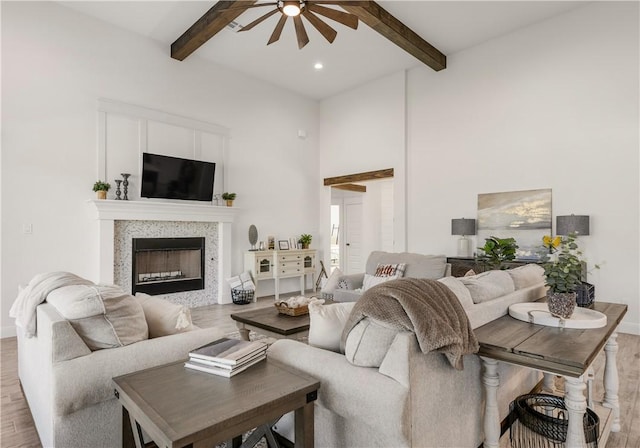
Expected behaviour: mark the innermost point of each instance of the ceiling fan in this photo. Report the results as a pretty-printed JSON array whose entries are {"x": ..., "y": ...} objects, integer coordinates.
[
  {"x": 310, "y": 10},
  {"x": 369, "y": 12}
]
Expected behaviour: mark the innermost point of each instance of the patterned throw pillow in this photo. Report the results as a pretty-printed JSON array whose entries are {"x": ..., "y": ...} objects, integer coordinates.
[{"x": 390, "y": 270}]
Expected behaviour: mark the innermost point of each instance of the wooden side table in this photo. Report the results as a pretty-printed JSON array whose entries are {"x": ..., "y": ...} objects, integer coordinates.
[
  {"x": 179, "y": 407},
  {"x": 554, "y": 351}
]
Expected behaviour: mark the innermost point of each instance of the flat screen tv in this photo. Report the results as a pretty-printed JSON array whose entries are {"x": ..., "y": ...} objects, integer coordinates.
[{"x": 175, "y": 178}]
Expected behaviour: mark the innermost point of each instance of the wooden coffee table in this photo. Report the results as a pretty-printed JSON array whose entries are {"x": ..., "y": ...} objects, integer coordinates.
[
  {"x": 270, "y": 322},
  {"x": 180, "y": 407},
  {"x": 554, "y": 351}
]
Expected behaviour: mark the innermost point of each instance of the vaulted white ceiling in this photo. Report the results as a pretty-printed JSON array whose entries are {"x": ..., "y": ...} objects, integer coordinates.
[{"x": 355, "y": 57}]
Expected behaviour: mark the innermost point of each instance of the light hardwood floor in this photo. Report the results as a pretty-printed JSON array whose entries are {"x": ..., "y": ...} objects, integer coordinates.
[{"x": 17, "y": 428}]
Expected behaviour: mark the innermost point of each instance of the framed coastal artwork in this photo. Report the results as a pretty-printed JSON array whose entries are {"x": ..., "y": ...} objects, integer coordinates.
[{"x": 523, "y": 215}]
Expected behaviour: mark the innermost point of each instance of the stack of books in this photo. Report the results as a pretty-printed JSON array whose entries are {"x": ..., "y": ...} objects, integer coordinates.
[{"x": 226, "y": 357}]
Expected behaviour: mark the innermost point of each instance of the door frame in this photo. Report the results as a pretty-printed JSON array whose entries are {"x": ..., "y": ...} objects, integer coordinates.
[{"x": 350, "y": 182}]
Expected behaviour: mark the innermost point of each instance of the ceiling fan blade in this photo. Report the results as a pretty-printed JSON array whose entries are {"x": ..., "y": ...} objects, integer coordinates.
[
  {"x": 324, "y": 29},
  {"x": 301, "y": 33},
  {"x": 259, "y": 20},
  {"x": 278, "y": 29},
  {"x": 345, "y": 18}
]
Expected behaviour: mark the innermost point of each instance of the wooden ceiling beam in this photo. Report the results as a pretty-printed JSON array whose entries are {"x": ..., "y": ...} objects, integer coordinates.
[
  {"x": 207, "y": 26},
  {"x": 379, "y": 19},
  {"x": 351, "y": 187},
  {"x": 359, "y": 177}
]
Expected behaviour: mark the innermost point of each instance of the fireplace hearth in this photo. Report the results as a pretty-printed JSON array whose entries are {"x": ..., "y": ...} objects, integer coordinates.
[{"x": 167, "y": 265}]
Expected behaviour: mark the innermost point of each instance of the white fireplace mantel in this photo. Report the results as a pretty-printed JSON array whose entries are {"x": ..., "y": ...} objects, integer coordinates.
[{"x": 108, "y": 211}]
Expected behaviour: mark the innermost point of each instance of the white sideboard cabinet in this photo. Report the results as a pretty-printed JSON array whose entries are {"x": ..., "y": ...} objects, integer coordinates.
[{"x": 278, "y": 264}]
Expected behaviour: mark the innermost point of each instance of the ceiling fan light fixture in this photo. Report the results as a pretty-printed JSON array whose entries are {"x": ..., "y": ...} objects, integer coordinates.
[{"x": 291, "y": 8}]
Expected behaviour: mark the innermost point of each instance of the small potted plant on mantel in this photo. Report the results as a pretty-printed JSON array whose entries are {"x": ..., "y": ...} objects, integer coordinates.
[
  {"x": 101, "y": 189},
  {"x": 305, "y": 240},
  {"x": 229, "y": 197}
]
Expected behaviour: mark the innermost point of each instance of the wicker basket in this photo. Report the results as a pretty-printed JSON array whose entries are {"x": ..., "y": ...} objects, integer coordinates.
[
  {"x": 299, "y": 311},
  {"x": 541, "y": 421},
  {"x": 241, "y": 296}
]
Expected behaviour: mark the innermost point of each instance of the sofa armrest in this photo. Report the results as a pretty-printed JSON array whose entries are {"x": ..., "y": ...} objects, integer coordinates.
[
  {"x": 86, "y": 380},
  {"x": 353, "y": 281}
]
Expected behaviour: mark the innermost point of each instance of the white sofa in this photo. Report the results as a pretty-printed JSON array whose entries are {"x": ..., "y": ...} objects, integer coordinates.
[
  {"x": 417, "y": 266},
  {"x": 410, "y": 399},
  {"x": 69, "y": 387}
]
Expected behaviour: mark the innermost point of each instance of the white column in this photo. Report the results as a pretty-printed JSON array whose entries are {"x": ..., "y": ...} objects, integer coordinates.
[
  {"x": 491, "y": 382},
  {"x": 224, "y": 262},
  {"x": 106, "y": 255},
  {"x": 576, "y": 407},
  {"x": 611, "y": 381}
]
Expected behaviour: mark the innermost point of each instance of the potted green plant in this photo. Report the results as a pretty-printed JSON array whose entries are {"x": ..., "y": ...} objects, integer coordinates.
[
  {"x": 101, "y": 189},
  {"x": 563, "y": 274},
  {"x": 305, "y": 240},
  {"x": 229, "y": 197},
  {"x": 497, "y": 252}
]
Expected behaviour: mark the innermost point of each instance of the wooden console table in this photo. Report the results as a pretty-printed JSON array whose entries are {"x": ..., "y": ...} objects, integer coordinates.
[
  {"x": 277, "y": 264},
  {"x": 179, "y": 407},
  {"x": 554, "y": 351}
]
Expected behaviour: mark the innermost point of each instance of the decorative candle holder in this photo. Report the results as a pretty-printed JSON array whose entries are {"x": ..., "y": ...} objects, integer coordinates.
[
  {"x": 125, "y": 185},
  {"x": 118, "y": 192}
]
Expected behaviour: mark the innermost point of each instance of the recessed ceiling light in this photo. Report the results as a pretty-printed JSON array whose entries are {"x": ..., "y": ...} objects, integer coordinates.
[{"x": 318, "y": 66}]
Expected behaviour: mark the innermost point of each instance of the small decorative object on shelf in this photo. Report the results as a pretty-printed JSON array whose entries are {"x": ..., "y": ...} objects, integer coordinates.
[
  {"x": 101, "y": 189},
  {"x": 229, "y": 197},
  {"x": 118, "y": 192},
  {"x": 125, "y": 185},
  {"x": 305, "y": 240},
  {"x": 253, "y": 236},
  {"x": 563, "y": 272}
]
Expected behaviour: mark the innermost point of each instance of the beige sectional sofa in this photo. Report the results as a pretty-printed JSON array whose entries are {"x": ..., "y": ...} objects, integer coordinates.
[
  {"x": 417, "y": 266},
  {"x": 411, "y": 399},
  {"x": 69, "y": 387}
]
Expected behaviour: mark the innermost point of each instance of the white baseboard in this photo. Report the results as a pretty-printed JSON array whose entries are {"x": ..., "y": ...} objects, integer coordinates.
[
  {"x": 8, "y": 332},
  {"x": 629, "y": 328}
]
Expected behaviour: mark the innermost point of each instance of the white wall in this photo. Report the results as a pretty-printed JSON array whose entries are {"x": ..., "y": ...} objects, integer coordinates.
[
  {"x": 56, "y": 63},
  {"x": 363, "y": 130},
  {"x": 554, "y": 105}
]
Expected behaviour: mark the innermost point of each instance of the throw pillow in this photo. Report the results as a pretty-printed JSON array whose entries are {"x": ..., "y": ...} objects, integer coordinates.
[
  {"x": 163, "y": 317},
  {"x": 368, "y": 343},
  {"x": 458, "y": 288},
  {"x": 371, "y": 280},
  {"x": 488, "y": 285},
  {"x": 326, "y": 323},
  {"x": 104, "y": 316},
  {"x": 383, "y": 273},
  {"x": 527, "y": 275},
  {"x": 390, "y": 270},
  {"x": 332, "y": 282}
]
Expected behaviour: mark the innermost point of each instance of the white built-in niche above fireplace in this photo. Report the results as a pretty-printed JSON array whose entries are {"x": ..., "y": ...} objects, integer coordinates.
[{"x": 120, "y": 221}]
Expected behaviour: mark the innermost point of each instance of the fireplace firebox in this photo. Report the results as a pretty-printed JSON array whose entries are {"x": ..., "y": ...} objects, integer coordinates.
[{"x": 167, "y": 265}]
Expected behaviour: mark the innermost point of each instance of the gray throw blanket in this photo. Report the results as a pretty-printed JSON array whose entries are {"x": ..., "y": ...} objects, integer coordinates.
[{"x": 426, "y": 307}]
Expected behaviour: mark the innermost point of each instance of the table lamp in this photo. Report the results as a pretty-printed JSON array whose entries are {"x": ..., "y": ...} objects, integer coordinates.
[
  {"x": 578, "y": 224},
  {"x": 463, "y": 227}
]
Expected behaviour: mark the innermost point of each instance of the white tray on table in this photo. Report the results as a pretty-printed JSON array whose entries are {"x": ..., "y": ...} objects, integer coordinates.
[{"x": 538, "y": 313}]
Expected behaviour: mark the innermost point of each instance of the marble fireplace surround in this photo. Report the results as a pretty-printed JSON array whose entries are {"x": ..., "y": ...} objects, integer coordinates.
[{"x": 108, "y": 211}]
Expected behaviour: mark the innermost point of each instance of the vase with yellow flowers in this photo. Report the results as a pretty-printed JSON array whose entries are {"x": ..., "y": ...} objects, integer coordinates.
[{"x": 563, "y": 273}]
